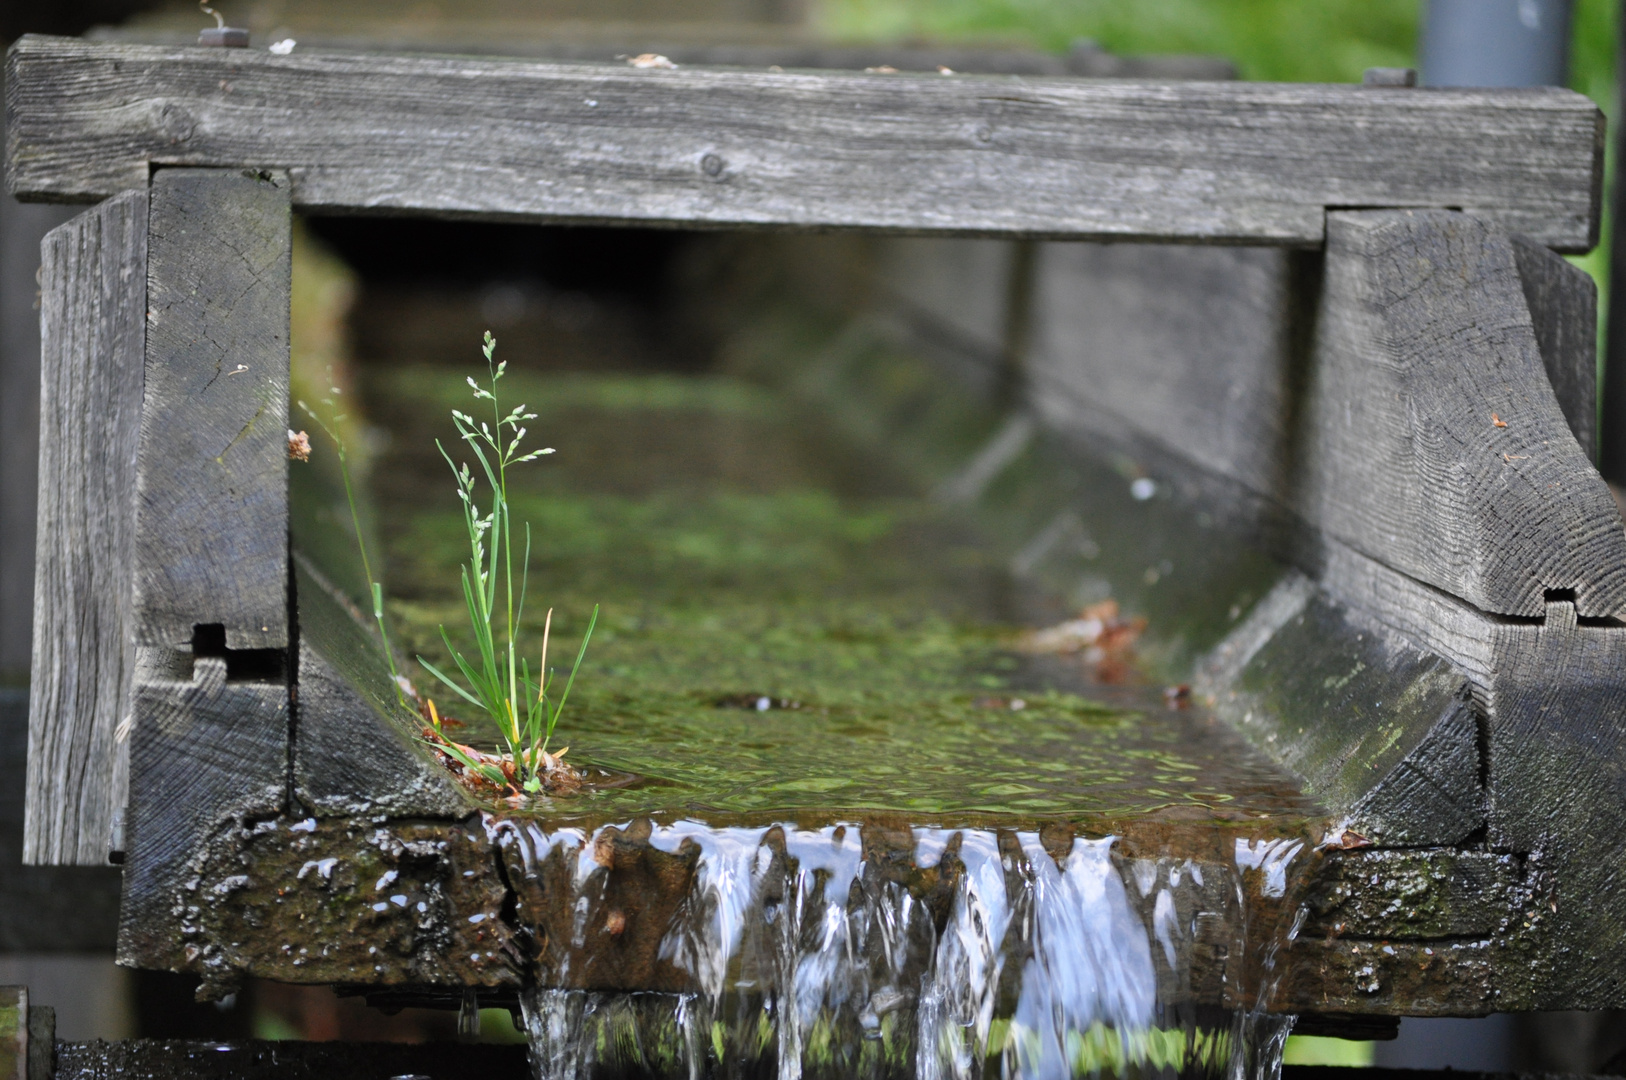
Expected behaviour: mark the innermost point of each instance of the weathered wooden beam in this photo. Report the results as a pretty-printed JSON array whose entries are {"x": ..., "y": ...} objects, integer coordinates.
[
  {"x": 1208, "y": 162},
  {"x": 1553, "y": 695},
  {"x": 212, "y": 523},
  {"x": 1563, "y": 301},
  {"x": 209, "y": 753},
  {"x": 1352, "y": 681},
  {"x": 44, "y": 909},
  {"x": 1187, "y": 349},
  {"x": 1381, "y": 731},
  {"x": 355, "y": 750},
  {"x": 1432, "y": 439},
  {"x": 93, "y": 333}
]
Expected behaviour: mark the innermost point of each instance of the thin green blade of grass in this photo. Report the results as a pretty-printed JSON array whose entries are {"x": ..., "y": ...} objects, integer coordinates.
[{"x": 501, "y": 684}]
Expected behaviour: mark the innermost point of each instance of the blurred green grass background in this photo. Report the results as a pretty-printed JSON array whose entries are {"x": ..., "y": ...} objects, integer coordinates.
[{"x": 1288, "y": 40}]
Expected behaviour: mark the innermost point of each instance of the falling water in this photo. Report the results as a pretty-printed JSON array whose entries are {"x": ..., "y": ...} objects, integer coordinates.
[{"x": 972, "y": 954}]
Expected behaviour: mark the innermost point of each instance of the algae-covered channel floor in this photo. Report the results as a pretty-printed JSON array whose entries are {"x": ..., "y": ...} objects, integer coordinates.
[{"x": 789, "y": 629}]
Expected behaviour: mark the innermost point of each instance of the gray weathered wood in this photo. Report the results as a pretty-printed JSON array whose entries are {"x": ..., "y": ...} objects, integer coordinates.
[
  {"x": 44, "y": 909},
  {"x": 210, "y": 739},
  {"x": 965, "y": 155},
  {"x": 1553, "y": 692},
  {"x": 354, "y": 748},
  {"x": 22, "y": 228},
  {"x": 1563, "y": 302},
  {"x": 1432, "y": 439},
  {"x": 1218, "y": 358},
  {"x": 1176, "y": 346},
  {"x": 212, "y": 518},
  {"x": 381, "y": 31},
  {"x": 94, "y": 288},
  {"x": 208, "y": 759},
  {"x": 1379, "y": 730}
]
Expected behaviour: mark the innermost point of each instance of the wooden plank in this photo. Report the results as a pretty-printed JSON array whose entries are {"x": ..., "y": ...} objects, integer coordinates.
[
  {"x": 44, "y": 909},
  {"x": 1563, "y": 301},
  {"x": 212, "y": 518},
  {"x": 93, "y": 335},
  {"x": 962, "y": 155},
  {"x": 1187, "y": 349},
  {"x": 1433, "y": 441},
  {"x": 22, "y": 228}
]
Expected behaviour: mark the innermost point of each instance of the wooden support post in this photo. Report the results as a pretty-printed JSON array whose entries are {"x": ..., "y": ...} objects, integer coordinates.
[
  {"x": 1433, "y": 441},
  {"x": 1563, "y": 302},
  {"x": 209, "y": 750},
  {"x": 93, "y": 335},
  {"x": 212, "y": 525}
]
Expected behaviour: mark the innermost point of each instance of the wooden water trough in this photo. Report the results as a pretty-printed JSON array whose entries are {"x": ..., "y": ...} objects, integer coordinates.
[{"x": 1378, "y": 373}]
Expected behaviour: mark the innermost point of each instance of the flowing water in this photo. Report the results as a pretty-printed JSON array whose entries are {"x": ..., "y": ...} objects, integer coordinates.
[
  {"x": 867, "y": 835},
  {"x": 805, "y": 961}
]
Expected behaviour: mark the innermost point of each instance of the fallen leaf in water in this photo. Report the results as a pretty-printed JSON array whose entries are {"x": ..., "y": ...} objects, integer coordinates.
[
  {"x": 1103, "y": 637},
  {"x": 650, "y": 60},
  {"x": 1345, "y": 840}
]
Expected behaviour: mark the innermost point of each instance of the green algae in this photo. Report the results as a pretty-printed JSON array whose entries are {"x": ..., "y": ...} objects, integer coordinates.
[{"x": 745, "y": 549}]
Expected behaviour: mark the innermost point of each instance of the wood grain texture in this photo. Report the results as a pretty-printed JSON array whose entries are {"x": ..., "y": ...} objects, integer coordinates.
[
  {"x": 208, "y": 756},
  {"x": 1553, "y": 692},
  {"x": 1433, "y": 442},
  {"x": 1380, "y": 731},
  {"x": 1185, "y": 348},
  {"x": 355, "y": 748},
  {"x": 93, "y": 334},
  {"x": 44, "y": 909},
  {"x": 1563, "y": 302},
  {"x": 963, "y": 155},
  {"x": 212, "y": 517},
  {"x": 22, "y": 228}
]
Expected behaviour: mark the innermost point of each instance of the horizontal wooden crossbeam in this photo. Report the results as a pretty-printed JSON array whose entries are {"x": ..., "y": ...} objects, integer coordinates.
[{"x": 962, "y": 155}]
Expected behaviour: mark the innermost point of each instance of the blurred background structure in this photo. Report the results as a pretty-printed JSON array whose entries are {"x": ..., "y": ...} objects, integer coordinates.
[{"x": 57, "y": 925}]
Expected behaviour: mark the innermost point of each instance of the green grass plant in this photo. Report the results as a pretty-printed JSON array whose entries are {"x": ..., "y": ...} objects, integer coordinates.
[
  {"x": 499, "y": 680},
  {"x": 331, "y": 423}
]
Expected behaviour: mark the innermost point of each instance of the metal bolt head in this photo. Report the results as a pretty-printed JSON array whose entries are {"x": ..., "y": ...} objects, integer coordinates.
[{"x": 226, "y": 37}]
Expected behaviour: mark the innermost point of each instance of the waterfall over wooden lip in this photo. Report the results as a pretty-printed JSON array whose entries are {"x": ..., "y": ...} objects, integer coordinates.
[{"x": 874, "y": 949}]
